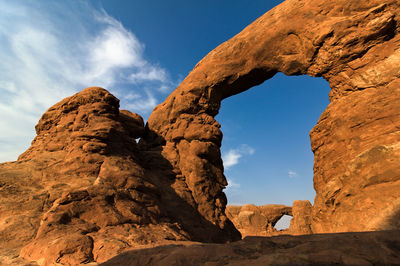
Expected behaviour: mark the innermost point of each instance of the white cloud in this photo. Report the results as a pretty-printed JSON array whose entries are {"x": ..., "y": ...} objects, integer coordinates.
[
  {"x": 141, "y": 103},
  {"x": 149, "y": 73},
  {"x": 51, "y": 50},
  {"x": 292, "y": 174},
  {"x": 232, "y": 184},
  {"x": 233, "y": 156}
]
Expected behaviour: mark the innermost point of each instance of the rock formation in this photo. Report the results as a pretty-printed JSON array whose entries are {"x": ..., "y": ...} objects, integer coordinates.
[
  {"x": 366, "y": 248},
  {"x": 86, "y": 190},
  {"x": 301, "y": 221},
  {"x": 355, "y": 46},
  {"x": 253, "y": 220}
]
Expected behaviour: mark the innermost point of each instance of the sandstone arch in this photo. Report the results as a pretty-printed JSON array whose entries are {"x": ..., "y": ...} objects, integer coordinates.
[
  {"x": 86, "y": 191},
  {"x": 355, "y": 47}
]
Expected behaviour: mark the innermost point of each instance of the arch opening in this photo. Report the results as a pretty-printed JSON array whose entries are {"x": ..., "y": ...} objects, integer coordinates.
[
  {"x": 283, "y": 223},
  {"x": 266, "y": 146}
]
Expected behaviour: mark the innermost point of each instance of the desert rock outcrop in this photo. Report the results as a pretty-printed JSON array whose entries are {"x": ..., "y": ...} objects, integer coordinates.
[
  {"x": 86, "y": 190},
  {"x": 301, "y": 221},
  {"x": 355, "y": 46},
  {"x": 366, "y": 248},
  {"x": 253, "y": 220}
]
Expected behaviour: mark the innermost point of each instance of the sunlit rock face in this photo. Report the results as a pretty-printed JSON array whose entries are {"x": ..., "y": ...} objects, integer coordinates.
[
  {"x": 253, "y": 220},
  {"x": 86, "y": 190},
  {"x": 355, "y": 46}
]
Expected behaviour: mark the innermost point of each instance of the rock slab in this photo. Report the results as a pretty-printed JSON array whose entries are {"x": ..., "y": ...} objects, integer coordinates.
[{"x": 367, "y": 248}]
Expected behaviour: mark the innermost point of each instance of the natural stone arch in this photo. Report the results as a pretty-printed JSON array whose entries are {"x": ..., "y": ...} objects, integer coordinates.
[
  {"x": 354, "y": 46},
  {"x": 253, "y": 220},
  {"x": 85, "y": 190}
]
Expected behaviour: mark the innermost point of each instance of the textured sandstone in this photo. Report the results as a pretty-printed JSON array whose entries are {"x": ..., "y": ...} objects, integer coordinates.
[
  {"x": 367, "y": 248},
  {"x": 86, "y": 191},
  {"x": 301, "y": 221},
  {"x": 253, "y": 220},
  {"x": 355, "y": 46}
]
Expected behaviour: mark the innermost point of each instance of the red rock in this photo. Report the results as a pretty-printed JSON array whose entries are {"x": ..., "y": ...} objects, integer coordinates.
[
  {"x": 354, "y": 45},
  {"x": 253, "y": 220},
  {"x": 367, "y": 248},
  {"x": 302, "y": 217},
  {"x": 86, "y": 191}
]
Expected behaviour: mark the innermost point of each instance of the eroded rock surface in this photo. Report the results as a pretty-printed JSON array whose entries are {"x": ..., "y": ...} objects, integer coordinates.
[
  {"x": 301, "y": 221},
  {"x": 355, "y": 46},
  {"x": 85, "y": 191},
  {"x": 252, "y": 220},
  {"x": 367, "y": 248}
]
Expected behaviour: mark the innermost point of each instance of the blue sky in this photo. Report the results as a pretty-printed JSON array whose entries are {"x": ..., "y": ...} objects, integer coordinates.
[{"x": 140, "y": 51}]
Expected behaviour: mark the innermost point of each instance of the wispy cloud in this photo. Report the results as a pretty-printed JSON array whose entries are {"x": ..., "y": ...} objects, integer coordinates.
[
  {"x": 232, "y": 156},
  {"x": 50, "y": 50},
  {"x": 232, "y": 184},
  {"x": 292, "y": 174}
]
